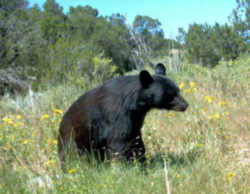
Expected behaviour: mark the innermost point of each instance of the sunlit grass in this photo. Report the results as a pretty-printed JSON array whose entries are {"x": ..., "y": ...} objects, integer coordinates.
[{"x": 206, "y": 148}]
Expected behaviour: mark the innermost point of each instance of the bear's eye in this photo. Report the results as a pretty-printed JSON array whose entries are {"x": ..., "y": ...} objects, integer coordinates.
[{"x": 170, "y": 97}]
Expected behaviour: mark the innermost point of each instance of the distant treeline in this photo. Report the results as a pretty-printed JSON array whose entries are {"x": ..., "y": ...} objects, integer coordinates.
[
  {"x": 208, "y": 44},
  {"x": 47, "y": 42}
]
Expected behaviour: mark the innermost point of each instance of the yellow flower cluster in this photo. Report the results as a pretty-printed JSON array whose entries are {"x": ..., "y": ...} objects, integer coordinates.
[
  {"x": 12, "y": 120},
  {"x": 8, "y": 120},
  {"x": 72, "y": 171},
  {"x": 55, "y": 112},
  {"x": 214, "y": 116},
  {"x": 192, "y": 87},
  {"x": 210, "y": 99}
]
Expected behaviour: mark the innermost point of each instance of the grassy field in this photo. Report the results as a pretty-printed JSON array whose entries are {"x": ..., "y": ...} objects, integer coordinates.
[{"x": 207, "y": 148}]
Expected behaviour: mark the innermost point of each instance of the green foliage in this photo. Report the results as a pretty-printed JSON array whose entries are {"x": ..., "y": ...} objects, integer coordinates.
[
  {"x": 50, "y": 6},
  {"x": 240, "y": 18},
  {"x": 45, "y": 45},
  {"x": 67, "y": 61},
  {"x": 99, "y": 69},
  {"x": 52, "y": 22},
  {"x": 207, "y": 45},
  {"x": 147, "y": 26},
  {"x": 103, "y": 68},
  {"x": 110, "y": 39},
  {"x": 151, "y": 32},
  {"x": 9, "y": 6},
  {"x": 82, "y": 22}
]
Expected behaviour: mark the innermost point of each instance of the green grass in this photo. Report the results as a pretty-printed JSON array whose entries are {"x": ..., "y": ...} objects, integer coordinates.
[{"x": 207, "y": 148}]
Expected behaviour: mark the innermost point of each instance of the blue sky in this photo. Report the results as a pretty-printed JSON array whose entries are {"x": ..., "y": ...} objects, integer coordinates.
[{"x": 171, "y": 13}]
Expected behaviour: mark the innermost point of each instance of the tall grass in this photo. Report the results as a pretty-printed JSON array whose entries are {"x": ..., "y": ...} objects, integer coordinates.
[{"x": 206, "y": 148}]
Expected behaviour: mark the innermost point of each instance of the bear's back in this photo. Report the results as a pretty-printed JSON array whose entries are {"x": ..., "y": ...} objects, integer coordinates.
[{"x": 105, "y": 98}]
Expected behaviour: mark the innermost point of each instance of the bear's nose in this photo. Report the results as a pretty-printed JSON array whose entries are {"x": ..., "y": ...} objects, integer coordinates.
[
  {"x": 180, "y": 104},
  {"x": 184, "y": 107}
]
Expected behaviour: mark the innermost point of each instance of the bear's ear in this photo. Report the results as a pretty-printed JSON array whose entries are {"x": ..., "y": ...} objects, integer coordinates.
[
  {"x": 160, "y": 69},
  {"x": 145, "y": 78}
]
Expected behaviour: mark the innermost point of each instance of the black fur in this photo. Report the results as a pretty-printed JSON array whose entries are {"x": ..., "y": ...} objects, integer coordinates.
[
  {"x": 160, "y": 69},
  {"x": 107, "y": 120}
]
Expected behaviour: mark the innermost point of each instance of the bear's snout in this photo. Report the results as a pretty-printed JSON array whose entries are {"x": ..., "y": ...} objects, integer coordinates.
[{"x": 179, "y": 104}]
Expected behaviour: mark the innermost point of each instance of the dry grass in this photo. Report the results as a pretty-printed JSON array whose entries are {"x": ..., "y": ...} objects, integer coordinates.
[{"x": 207, "y": 148}]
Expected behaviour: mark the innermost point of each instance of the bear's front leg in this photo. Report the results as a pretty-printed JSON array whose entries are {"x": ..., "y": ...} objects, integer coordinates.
[
  {"x": 128, "y": 149},
  {"x": 127, "y": 145},
  {"x": 136, "y": 150}
]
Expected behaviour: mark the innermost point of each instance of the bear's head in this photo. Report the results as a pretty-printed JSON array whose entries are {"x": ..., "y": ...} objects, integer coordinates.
[{"x": 158, "y": 91}]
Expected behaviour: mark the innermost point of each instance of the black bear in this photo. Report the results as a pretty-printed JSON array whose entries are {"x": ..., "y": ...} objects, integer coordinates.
[{"x": 107, "y": 120}]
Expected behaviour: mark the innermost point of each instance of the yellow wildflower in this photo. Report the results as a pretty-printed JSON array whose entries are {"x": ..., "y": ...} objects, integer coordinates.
[
  {"x": 230, "y": 176},
  {"x": 15, "y": 125},
  {"x": 72, "y": 171},
  {"x": 25, "y": 141},
  {"x": 45, "y": 116},
  {"x": 203, "y": 111},
  {"x": 223, "y": 103},
  {"x": 49, "y": 163},
  {"x": 192, "y": 84},
  {"x": 188, "y": 90},
  {"x": 54, "y": 141},
  {"x": 217, "y": 115},
  {"x": 57, "y": 111},
  {"x": 19, "y": 116},
  {"x": 171, "y": 114},
  {"x": 197, "y": 145},
  {"x": 209, "y": 99},
  {"x": 8, "y": 120},
  {"x": 181, "y": 85}
]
